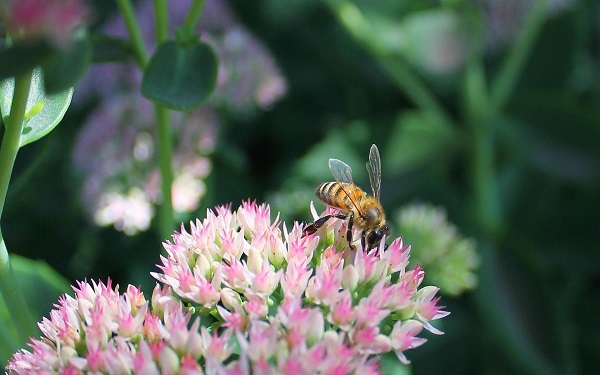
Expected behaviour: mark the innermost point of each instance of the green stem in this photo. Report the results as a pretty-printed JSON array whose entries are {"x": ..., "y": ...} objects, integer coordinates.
[
  {"x": 165, "y": 142},
  {"x": 165, "y": 164},
  {"x": 478, "y": 116},
  {"x": 512, "y": 67},
  {"x": 9, "y": 287},
  {"x": 481, "y": 108},
  {"x": 137, "y": 42},
  {"x": 162, "y": 114},
  {"x": 161, "y": 16},
  {"x": 191, "y": 20}
]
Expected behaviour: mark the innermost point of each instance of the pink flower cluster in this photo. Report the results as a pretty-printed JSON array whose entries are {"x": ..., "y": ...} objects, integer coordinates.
[
  {"x": 55, "y": 20},
  {"x": 275, "y": 301},
  {"x": 100, "y": 330}
]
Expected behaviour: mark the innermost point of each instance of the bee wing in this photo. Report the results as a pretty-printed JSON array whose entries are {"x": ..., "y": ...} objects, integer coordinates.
[
  {"x": 341, "y": 171},
  {"x": 374, "y": 169},
  {"x": 343, "y": 175}
]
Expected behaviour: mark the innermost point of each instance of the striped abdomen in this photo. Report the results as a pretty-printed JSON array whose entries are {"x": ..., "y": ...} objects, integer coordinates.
[{"x": 331, "y": 193}]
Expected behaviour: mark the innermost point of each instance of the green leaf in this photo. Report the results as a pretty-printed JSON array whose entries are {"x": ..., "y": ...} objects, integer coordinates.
[
  {"x": 181, "y": 76},
  {"x": 44, "y": 112},
  {"x": 24, "y": 56},
  {"x": 64, "y": 68},
  {"x": 41, "y": 286},
  {"x": 390, "y": 364},
  {"x": 434, "y": 41},
  {"x": 418, "y": 138}
]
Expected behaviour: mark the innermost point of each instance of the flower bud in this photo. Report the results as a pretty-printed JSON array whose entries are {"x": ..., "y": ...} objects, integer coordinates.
[{"x": 350, "y": 278}]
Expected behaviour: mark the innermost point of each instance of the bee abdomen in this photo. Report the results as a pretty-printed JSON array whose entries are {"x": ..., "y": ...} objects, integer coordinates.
[{"x": 336, "y": 194}]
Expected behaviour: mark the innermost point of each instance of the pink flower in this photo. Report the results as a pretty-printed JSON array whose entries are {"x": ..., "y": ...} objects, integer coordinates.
[
  {"x": 342, "y": 312},
  {"x": 324, "y": 287},
  {"x": 303, "y": 310},
  {"x": 403, "y": 337},
  {"x": 101, "y": 330}
]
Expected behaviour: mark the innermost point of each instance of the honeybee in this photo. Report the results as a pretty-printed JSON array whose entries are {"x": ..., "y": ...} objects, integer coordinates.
[{"x": 357, "y": 207}]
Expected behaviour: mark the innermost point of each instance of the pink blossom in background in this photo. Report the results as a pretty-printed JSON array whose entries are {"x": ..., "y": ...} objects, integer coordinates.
[
  {"x": 53, "y": 20},
  {"x": 115, "y": 152}
]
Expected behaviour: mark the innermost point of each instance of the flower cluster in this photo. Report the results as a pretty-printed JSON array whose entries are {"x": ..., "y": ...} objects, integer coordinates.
[
  {"x": 100, "y": 330},
  {"x": 451, "y": 258},
  {"x": 276, "y": 301},
  {"x": 53, "y": 20}
]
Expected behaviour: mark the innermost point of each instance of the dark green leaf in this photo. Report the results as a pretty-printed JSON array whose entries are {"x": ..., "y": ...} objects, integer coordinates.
[
  {"x": 106, "y": 48},
  {"x": 41, "y": 287},
  {"x": 64, "y": 68},
  {"x": 181, "y": 77},
  {"x": 48, "y": 110},
  {"x": 22, "y": 57}
]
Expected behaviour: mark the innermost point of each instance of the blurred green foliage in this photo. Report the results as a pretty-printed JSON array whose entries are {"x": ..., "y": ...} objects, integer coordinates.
[{"x": 504, "y": 135}]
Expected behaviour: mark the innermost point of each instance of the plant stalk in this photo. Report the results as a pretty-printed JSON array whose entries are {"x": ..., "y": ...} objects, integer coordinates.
[
  {"x": 164, "y": 141},
  {"x": 193, "y": 16},
  {"x": 9, "y": 287}
]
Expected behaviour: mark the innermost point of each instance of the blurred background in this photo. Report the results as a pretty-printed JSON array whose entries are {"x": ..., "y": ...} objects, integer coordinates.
[{"x": 487, "y": 116}]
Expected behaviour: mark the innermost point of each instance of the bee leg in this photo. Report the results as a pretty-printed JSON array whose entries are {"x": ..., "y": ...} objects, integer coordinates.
[
  {"x": 349, "y": 232},
  {"x": 363, "y": 240},
  {"x": 312, "y": 228}
]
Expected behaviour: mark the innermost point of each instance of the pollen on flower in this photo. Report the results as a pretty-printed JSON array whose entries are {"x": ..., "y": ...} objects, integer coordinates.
[{"x": 318, "y": 307}]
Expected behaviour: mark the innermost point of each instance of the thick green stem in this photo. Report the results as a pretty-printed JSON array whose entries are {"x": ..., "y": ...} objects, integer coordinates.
[
  {"x": 9, "y": 287},
  {"x": 165, "y": 141},
  {"x": 191, "y": 20},
  {"x": 161, "y": 16},
  {"x": 165, "y": 164}
]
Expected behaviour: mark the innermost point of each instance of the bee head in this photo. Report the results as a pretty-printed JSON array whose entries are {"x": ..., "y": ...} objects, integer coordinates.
[{"x": 374, "y": 237}]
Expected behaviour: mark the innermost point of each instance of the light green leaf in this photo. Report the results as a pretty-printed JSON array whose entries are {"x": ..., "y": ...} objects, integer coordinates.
[{"x": 44, "y": 112}]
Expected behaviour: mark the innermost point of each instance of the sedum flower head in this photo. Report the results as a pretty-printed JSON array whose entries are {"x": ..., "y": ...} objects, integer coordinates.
[
  {"x": 451, "y": 259},
  {"x": 240, "y": 293},
  {"x": 101, "y": 330}
]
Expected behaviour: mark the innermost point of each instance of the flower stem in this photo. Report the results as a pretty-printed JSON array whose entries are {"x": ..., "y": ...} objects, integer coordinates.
[
  {"x": 191, "y": 20},
  {"x": 139, "y": 49},
  {"x": 166, "y": 216},
  {"x": 165, "y": 164},
  {"x": 9, "y": 286},
  {"x": 161, "y": 16},
  {"x": 165, "y": 139}
]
